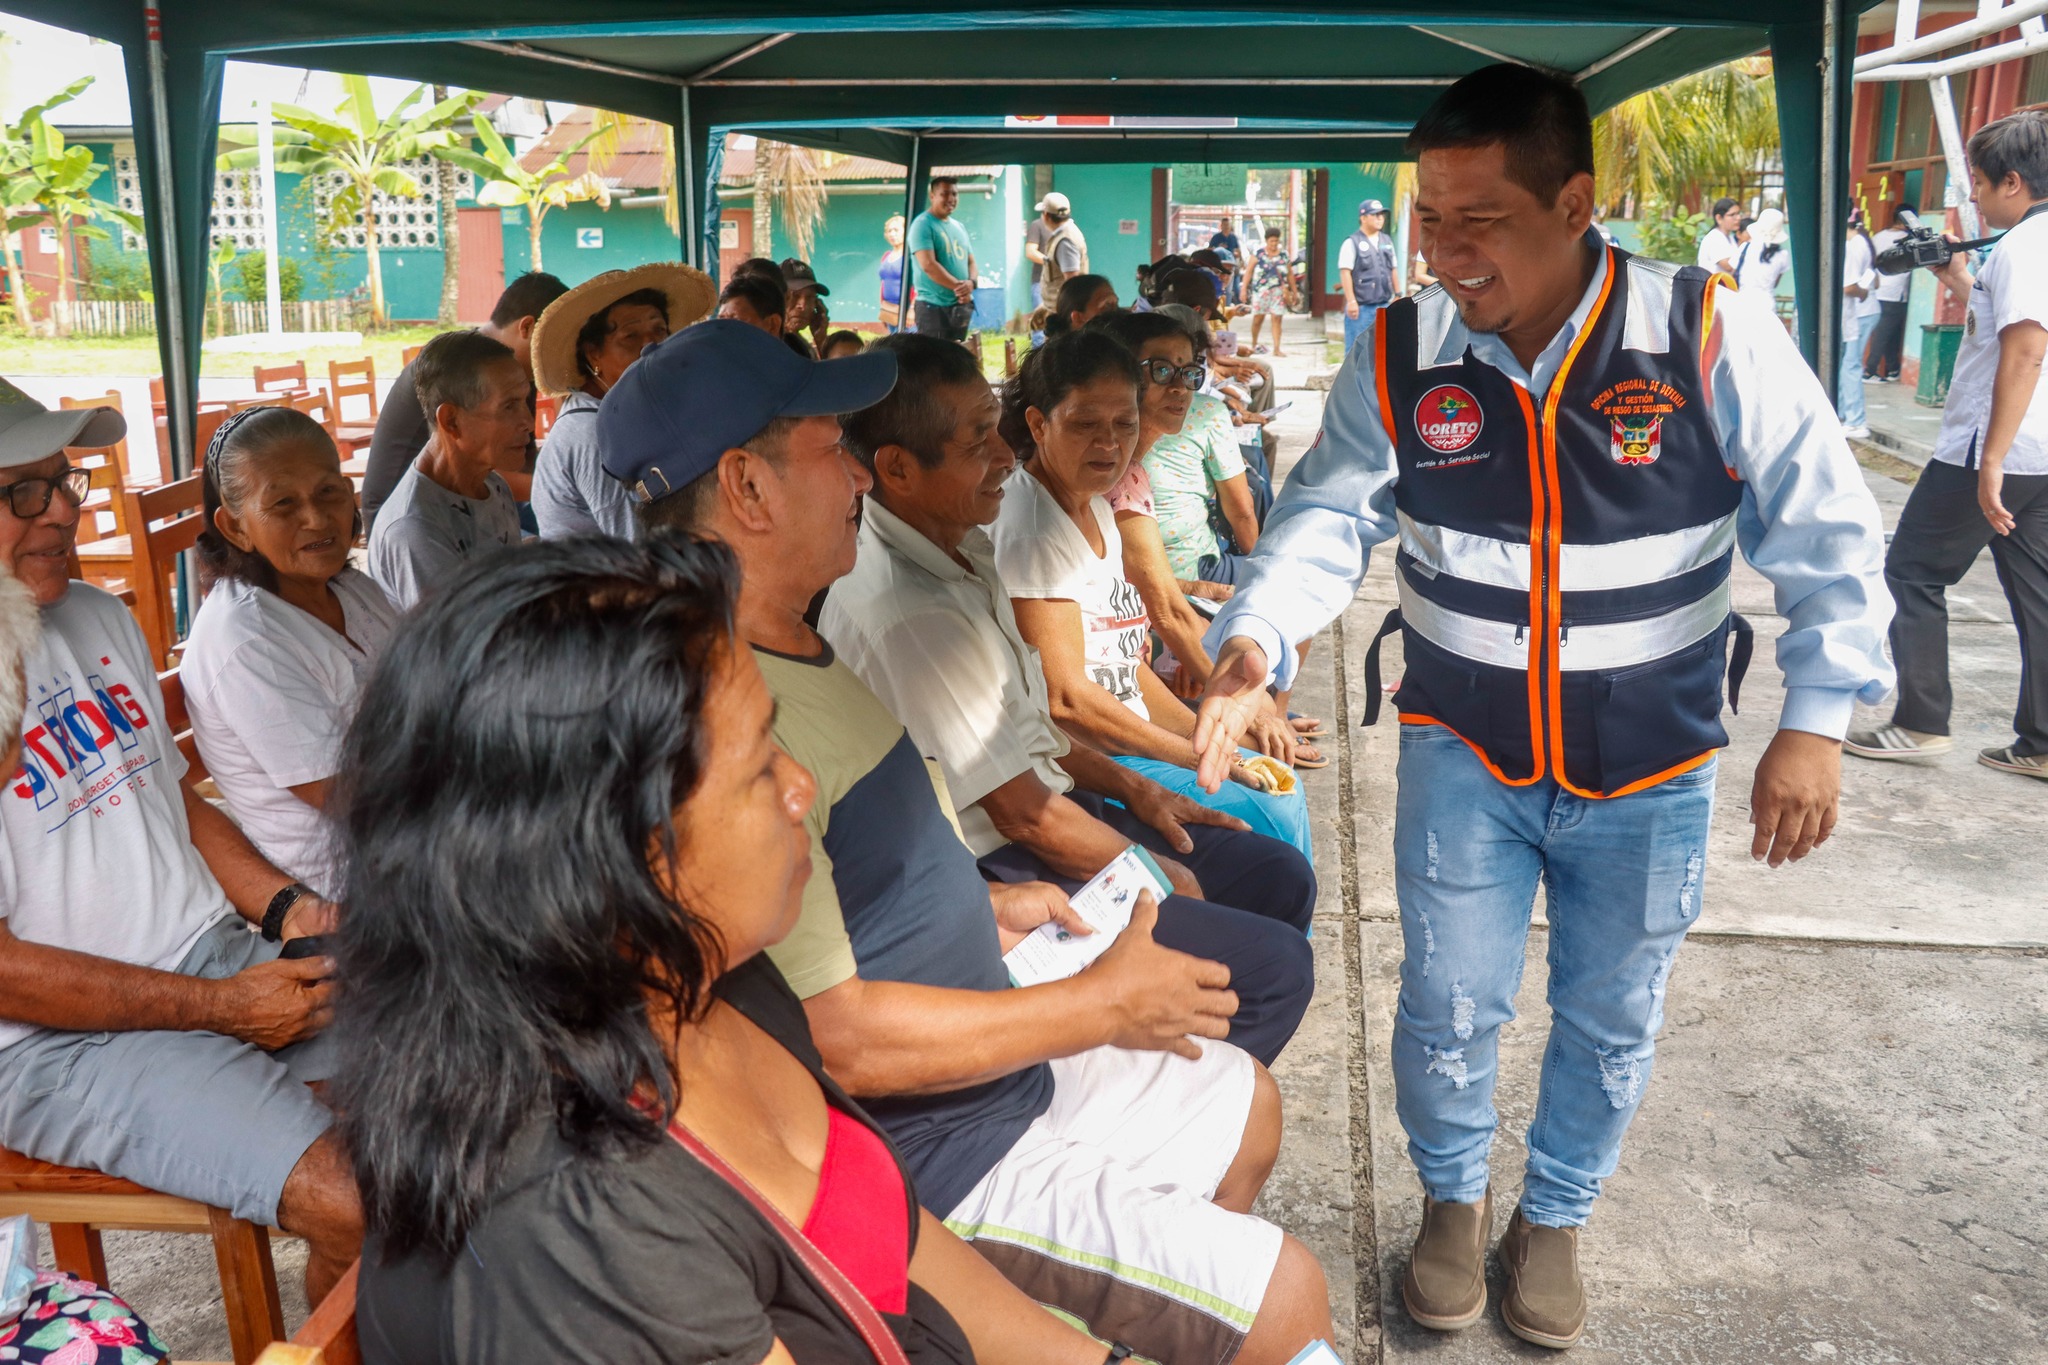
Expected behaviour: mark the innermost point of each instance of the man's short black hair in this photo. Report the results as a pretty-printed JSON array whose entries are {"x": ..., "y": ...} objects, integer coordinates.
[
  {"x": 758, "y": 292},
  {"x": 939, "y": 180},
  {"x": 527, "y": 297},
  {"x": 1722, "y": 206},
  {"x": 2015, "y": 143},
  {"x": 450, "y": 369},
  {"x": 912, "y": 415},
  {"x": 1537, "y": 117},
  {"x": 1744, "y": 224}
]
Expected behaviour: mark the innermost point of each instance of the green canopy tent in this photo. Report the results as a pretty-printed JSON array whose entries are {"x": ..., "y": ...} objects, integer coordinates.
[{"x": 899, "y": 78}]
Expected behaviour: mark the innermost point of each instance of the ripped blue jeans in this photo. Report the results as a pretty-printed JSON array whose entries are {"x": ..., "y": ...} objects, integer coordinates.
[{"x": 1623, "y": 879}]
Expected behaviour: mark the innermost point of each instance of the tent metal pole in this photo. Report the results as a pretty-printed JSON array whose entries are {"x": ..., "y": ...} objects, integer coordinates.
[
  {"x": 1622, "y": 54},
  {"x": 541, "y": 54},
  {"x": 180, "y": 385},
  {"x": 913, "y": 175},
  {"x": 1037, "y": 82},
  {"x": 2013, "y": 51},
  {"x": 1833, "y": 216},
  {"x": 742, "y": 55},
  {"x": 693, "y": 235},
  {"x": 1983, "y": 26}
]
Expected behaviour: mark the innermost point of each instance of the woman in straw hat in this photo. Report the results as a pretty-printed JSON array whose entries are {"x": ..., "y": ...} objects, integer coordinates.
[{"x": 582, "y": 344}]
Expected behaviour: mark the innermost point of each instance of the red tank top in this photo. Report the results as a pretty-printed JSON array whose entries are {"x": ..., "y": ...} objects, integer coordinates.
[{"x": 860, "y": 1218}]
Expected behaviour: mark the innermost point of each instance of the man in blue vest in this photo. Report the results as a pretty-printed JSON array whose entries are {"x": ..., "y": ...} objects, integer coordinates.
[
  {"x": 1366, "y": 266},
  {"x": 1569, "y": 444}
]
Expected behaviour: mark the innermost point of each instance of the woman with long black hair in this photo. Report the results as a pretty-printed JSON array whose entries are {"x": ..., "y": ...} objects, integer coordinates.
[{"x": 587, "y": 1114}]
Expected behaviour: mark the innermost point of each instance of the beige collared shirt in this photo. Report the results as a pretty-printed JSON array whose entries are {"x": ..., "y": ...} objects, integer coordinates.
[{"x": 939, "y": 645}]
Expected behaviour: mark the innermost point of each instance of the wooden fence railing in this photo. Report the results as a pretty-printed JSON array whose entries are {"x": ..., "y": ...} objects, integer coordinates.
[{"x": 134, "y": 317}]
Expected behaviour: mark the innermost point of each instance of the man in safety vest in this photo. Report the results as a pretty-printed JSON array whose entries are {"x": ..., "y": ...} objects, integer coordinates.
[{"x": 1568, "y": 443}]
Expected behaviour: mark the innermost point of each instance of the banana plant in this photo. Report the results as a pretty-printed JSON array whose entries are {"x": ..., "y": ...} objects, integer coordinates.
[
  {"x": 507, "y": 184},
  {"x": 367, "y": 150},
  {"x": 43, "y": 179}
]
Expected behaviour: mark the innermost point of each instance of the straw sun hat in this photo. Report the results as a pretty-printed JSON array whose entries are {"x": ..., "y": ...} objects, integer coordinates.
[{"x": 691, "y": 297}]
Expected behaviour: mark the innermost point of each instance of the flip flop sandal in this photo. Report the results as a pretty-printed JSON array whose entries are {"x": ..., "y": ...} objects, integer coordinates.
[
  {"x": 1319, "y": 761},
  {"x": 1315, "y": 727}
]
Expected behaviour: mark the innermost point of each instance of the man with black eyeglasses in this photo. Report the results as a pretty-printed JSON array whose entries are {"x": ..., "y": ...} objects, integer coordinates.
[{"x": 133, "y": 981}]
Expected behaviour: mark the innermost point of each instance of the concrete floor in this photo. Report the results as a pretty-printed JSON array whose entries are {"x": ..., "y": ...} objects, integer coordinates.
[{"x": 1840, "y": 1158}]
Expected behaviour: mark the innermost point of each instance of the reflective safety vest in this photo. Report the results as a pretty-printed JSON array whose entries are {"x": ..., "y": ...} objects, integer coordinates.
[
  {"x": 1068, "y": 231},
  {"x": 1564, "y": 565}
]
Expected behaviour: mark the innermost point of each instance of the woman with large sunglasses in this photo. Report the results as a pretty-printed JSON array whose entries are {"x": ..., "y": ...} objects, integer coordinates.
[{"x": 1075, "y": 414}]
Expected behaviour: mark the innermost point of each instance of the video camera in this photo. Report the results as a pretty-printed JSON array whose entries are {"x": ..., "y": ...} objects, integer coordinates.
[{"x": 1923, "y": 246}]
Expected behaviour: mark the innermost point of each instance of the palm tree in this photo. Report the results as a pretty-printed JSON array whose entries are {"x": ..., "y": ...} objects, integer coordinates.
[
  {"x": 449, "y": 181},
  {"x": 507, "y": 184},
  {"x": 1702, "y": 136},
  {"x": 611, "y": 132},
  {"x": 43, "y": 178},
  {"x": 789, "y": 187},
  {"x": 367, "y": 151}
]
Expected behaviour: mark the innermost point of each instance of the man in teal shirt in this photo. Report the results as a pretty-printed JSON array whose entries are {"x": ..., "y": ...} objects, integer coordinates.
[{"x": 943, "y": 303}]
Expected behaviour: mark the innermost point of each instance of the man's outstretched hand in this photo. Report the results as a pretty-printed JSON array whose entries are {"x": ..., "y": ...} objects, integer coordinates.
[
  {"x": 1235, "y": 697},
  {"x": 1797, "y": 796}
]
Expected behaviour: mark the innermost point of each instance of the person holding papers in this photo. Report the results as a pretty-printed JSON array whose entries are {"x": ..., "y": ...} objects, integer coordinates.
[{"x": 1090, "y": 1137}]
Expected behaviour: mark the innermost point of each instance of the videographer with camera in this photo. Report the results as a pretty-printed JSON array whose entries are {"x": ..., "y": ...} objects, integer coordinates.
[{"x": 1988, "y": 480}]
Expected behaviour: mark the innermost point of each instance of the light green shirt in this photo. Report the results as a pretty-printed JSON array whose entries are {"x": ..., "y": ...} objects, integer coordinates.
[
  {"x": 1185, "y": 469},
  {"x": 948, "y": 242}
]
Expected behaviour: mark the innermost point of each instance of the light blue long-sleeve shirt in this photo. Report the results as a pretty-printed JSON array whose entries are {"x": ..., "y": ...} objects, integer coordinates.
[{"x": 1808, "y": 522}]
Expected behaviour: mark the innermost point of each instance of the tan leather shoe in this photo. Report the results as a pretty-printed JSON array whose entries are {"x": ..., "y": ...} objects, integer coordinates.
[
  {"x": 1445, "y": 1287},
  {"x": 1546, "y": 1301}
]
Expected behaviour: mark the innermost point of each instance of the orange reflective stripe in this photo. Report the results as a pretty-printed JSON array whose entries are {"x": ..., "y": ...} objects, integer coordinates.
[
  {"x": 1710, "y": 341},
  {"x": 1415, "y": 718},
  {"x": 1555, "y": 602},
  {"x": 1644, "y": 783},
  {"x": 1379, "y": 373},
  {"x": 1535, "y": 669}
]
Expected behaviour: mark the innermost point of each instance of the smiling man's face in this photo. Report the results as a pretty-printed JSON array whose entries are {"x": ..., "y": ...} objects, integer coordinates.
[{"x": 1504, "y": 256}]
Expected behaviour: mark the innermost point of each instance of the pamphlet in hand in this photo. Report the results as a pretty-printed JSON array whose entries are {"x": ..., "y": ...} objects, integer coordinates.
[
  {"x": 1050, "y": 953},
  {"x": 1317, "y": 1353},
  {"x": 1273, "y": 412}
]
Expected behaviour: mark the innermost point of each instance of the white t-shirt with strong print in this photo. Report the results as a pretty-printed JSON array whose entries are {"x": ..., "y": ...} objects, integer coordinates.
[
  {"x": 2011, "y": 287},
  {"x": 1041, "y": 553},
  {"x": 272, "y": 691},
  {"x": 96, "y": 853}
]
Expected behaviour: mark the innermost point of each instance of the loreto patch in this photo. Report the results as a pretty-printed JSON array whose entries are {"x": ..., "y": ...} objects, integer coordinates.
[
  {"x": 1635, "y": 410},
  {"x": 1448, "y": 419}
]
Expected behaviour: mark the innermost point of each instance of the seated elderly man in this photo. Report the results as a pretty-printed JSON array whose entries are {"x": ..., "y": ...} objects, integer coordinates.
[
  {"x": 146, "y": 1028},
  {"x": 1075, "y": 1132},
  {"x": 403, "y": 426},
  {"x": 452, "y": 504}
]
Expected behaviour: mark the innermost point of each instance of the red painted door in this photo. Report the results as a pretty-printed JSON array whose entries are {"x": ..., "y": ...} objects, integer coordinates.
[
  {"x": 482, "y": 274},
  {"x": 735, "y": 240}
]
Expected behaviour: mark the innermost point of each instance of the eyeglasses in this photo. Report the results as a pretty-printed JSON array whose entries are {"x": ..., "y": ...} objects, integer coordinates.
[
  {"x": 30, "y": 498},
  {"x": 1163, "y": 372}
]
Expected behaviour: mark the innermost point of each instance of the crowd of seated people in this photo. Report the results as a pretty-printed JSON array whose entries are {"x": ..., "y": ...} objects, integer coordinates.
[{"x": 662, "y": 864}]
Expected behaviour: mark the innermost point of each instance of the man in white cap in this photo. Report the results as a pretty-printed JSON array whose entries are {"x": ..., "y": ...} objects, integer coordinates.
[
  {"x": 1366, "y": 265},
  {"x": 147, "y": 1029},
  {"x": 1055, "y": 247}
]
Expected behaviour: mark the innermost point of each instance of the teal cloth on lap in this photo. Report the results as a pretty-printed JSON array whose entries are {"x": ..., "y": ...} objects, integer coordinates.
[{"x": 1277, "y": 817}]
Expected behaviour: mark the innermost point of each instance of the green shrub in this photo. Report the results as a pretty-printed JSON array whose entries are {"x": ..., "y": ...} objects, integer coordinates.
[
  {"x": 117, "y": 274},
  {"x": 1672, "y": 235},
  {"x": 245, "y": 278}
]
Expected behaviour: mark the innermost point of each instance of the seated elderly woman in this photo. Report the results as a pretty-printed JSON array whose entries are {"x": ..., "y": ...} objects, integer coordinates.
[
  {"x": 1163, "y": 346},
  {"x": 586, "y": 1109},
  {"x": 1073, "y": 416},
  {"x": 286, "y": 637},
  {"x": 582, "y": 344}
]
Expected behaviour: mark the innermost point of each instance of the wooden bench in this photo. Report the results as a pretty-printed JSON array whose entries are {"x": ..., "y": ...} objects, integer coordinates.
[
  {"x": 329, "y": 1336},
  {"x": 78, "y": 1205}
]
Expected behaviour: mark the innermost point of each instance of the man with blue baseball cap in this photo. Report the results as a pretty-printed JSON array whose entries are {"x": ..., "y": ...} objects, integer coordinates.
[{"x": 1366, "y": 269}]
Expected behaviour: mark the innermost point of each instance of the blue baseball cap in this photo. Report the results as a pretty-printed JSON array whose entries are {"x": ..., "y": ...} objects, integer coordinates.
[
  {"x": 1366, "y": 206},
  {"x": 708, "y": 388}
]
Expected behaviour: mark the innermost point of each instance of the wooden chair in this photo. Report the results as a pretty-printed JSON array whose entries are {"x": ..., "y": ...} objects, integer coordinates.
[
  {"x": 348, "y": 379},
  {"x": 411, "y": 353},
  {"x": 282, "y": 378},
  {"x": 103, "y": 554},
  {"x": 329, "y": 1336},
  {"x": 78, "y": 1205},
  {"x": 159, "y": 405},
  {"x": 163, "y": 523},
  {"x": 546, "y": 407},
  {"x": 1009, "y": 357}
]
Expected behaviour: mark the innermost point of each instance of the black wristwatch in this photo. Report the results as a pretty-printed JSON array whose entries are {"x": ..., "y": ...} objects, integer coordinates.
[
  {"x": 1118, "y": 1353},
  {"x": 281, "y": 905}
]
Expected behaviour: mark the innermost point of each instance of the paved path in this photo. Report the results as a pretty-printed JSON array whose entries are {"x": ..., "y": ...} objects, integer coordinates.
[{"x": 1840, "y": 1159}]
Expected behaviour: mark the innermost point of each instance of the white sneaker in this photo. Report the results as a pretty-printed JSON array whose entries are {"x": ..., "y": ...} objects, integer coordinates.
[
  {"x": 2026, "y": 765},
  {"x": 1857, "y": 433},
  {"x": 1896, "y": 741}
]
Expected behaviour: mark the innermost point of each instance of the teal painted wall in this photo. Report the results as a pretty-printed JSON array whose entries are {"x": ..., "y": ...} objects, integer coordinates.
[
  {"x": 632, "y": 236},
  {"x": 1349, "y": 185}
]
